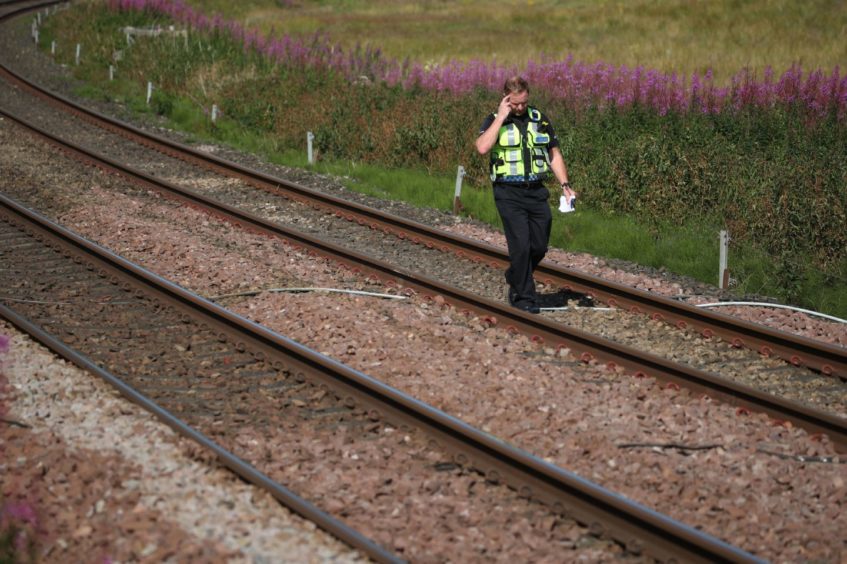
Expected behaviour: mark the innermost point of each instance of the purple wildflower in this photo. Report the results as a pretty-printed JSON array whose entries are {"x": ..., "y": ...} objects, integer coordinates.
[{"x": 580, "y": 85}]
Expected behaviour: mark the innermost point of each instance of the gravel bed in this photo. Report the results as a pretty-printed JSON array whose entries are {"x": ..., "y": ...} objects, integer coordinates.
[
  {"x": 393, "y": 487},
  {"x": 108, "y": 480},
  {"x": 744, "y": 485},
  {"x": 580, "y": 417}
]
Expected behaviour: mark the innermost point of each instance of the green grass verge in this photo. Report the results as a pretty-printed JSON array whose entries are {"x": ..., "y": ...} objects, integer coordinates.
[{"x": 688, "y": 248}]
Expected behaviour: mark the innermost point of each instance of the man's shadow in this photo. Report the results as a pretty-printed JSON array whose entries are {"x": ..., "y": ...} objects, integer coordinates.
[{"x": 562, "y": 297}]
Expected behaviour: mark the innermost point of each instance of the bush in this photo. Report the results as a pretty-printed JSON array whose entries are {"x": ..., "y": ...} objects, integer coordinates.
[{"x": 773, "y": 176}]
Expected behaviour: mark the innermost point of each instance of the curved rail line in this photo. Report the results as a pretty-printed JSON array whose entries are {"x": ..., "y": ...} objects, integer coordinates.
[
  {"x": 13, "y": 220},
  {"x": 589, "y": 347},
  {"x": 799, "y": 351},
  {"x": 638, "y": 528},
  {"x": 490, "y": 447}
]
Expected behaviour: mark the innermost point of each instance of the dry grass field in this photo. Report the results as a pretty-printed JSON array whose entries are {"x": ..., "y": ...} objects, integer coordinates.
[{"x": 682, "y": 36}]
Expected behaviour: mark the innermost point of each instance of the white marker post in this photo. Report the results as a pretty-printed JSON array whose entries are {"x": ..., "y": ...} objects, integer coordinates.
[
  {"x": 78, "y": 50},
  {"x": 457, "y": 197},
  {"x": 149, "y": 92},
  {"x": 53, "y": 47},
  {"x": 309, "y": 153},
  {"x": 111, "y": 73},
  {"x": 723, "y": 272},
  {"x": 214, "y": 113}
]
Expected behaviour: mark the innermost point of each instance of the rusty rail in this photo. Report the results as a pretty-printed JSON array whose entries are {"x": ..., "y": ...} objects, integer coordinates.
[
  {"x": 588, "y": 347},
  {"x": 637, "y": 527}
]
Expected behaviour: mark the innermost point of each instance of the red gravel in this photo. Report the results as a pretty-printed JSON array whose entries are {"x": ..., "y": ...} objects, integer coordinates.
[{"x": 574, "y": 416}]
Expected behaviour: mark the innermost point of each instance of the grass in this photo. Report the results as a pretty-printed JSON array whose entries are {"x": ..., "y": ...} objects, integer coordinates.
[
  {"x": 586, "y": 230},
  {"x": 689, "y": 249},
  {"x": 670, "y": 35}
]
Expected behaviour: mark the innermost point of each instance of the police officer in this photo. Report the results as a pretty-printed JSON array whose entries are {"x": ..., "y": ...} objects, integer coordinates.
[{"x": 524, "y": 149}]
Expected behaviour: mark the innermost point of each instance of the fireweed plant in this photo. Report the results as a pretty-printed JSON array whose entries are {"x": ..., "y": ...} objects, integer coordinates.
[{"x": 680, "y": 155}]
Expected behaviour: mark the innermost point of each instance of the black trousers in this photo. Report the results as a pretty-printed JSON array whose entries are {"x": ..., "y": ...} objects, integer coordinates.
[{"x": 527, "y": 222}]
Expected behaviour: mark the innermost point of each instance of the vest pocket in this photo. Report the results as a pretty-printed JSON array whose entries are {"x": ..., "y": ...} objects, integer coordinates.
[
  {"x": 539, "y": 138},
  {"x": 509, "y": 136},
  {"x": 540, "y": 160}
]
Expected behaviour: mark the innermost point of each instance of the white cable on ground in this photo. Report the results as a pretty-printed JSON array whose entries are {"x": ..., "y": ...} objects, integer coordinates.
[
  {"x": 394, "y": 297},
  {"x": 335, "y": 290},
  {"x": 779, "y": 306}
]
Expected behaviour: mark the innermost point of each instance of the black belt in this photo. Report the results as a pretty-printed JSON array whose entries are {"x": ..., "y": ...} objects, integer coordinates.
[{"x": 524, "y": 185}]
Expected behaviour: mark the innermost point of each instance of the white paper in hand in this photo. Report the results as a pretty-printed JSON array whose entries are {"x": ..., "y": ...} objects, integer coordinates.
[{"x": 566, "y": 204}]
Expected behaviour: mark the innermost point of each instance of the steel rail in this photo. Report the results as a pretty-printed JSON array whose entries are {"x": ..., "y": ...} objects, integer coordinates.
[
  {"x": 72, "y": 245},
  {"x": 801, "y": 351},
  {"x": 20, "y": 7},
  {"x": 639, "y": 528},
  {"x": 587, "y": 346},
  {"x": 34, "y": 5},
  {"x": 245, "y": 470}
]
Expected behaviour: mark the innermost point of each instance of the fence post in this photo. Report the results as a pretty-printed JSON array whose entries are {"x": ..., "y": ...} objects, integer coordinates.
[
  {"x": 457, "y": 197},
  {"x": 723, "y": 271},
  {"x": 309, "y": 152}
]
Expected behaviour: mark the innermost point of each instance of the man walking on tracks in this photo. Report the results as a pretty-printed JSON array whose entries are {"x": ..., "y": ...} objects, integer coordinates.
[{"x": 524, "y": 149}]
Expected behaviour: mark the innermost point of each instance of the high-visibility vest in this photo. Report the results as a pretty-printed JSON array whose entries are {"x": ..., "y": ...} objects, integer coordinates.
[{"x": 521, "y": 156}]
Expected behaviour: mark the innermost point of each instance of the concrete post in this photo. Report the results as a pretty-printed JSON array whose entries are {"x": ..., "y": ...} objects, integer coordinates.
[
  {"x": 457, "y": 197},
  {"x": 723, "y": 272}
]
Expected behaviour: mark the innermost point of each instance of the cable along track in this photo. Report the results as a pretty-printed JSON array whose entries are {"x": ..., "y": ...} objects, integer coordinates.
[{"x": 143, "y": 309}]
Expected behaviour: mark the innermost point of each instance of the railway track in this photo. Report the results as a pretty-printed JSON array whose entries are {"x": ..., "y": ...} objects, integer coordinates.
[
  {"x": 217, "y": 371},
  {"x": 799, "y": 351},
  {"x": 794, "y": 349},
  {"x": 587, "y": 346},
  {"x": 452, "y": 295}
]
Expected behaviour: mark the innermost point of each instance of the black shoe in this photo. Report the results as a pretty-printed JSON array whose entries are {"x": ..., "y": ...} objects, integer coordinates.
[
  {"x": 528, "y": 307},
  {"x": 513, "y": 296}
]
